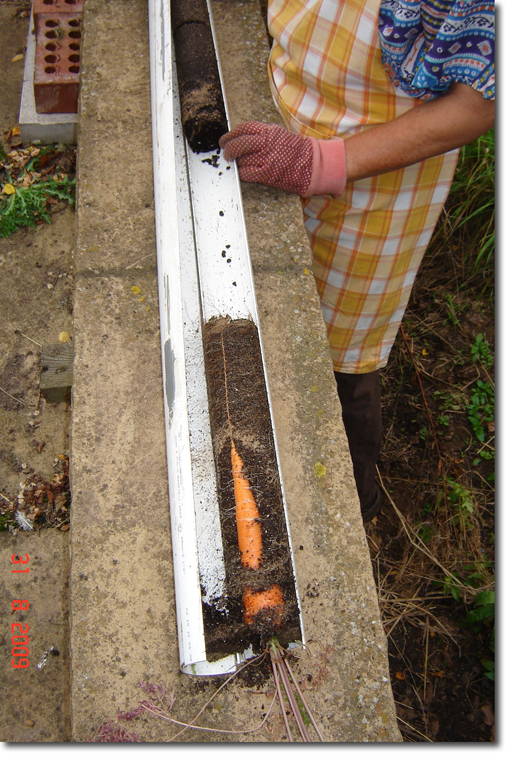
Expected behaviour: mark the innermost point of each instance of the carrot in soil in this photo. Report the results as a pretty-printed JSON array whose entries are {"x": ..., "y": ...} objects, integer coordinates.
[
  {"x": 270, "y": 600},
  {"x": 249, "y": 533}
]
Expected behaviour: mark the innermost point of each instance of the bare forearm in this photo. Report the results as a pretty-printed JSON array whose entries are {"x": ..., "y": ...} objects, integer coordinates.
[{"x": 430, "y": 129}]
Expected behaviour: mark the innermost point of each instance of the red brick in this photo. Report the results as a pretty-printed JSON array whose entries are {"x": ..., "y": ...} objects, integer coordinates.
[
  {"x": 57, "y": 62},
  {"x": 55, "y": 6}
]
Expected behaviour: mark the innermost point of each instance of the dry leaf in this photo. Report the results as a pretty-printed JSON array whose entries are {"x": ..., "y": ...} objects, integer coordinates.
[
  {"x": 489, "y": 716},
  {"x": 8, "y": 189},
  {"x": 17, "y": 58}
]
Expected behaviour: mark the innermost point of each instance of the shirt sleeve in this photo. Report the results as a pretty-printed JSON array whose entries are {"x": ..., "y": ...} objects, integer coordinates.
[{"x": 429, "y": 44}]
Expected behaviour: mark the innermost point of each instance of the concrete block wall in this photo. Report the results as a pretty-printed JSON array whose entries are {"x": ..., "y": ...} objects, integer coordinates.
[{"x": 123, "y": 619}]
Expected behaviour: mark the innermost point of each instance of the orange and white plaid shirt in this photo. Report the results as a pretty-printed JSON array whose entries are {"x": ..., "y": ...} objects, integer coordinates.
[{"x": 327, "y": 79}]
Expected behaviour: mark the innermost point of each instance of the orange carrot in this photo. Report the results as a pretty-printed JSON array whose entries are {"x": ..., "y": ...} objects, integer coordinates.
[
  {"x": 249, "y": 533},
  {"x": 247, "y": 517},
  {"x": 270, "y": 599}
]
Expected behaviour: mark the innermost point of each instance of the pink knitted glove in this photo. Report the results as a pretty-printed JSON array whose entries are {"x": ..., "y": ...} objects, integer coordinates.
[{"x": 271, "y": 155}]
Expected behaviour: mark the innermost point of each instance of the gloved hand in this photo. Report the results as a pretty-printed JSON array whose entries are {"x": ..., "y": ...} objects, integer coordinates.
[{"x": 271, "y": 155}]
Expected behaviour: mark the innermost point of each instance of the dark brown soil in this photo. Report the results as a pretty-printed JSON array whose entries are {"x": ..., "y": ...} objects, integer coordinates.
[
  {"x": 187, "y": 12},
  {"x": 239, "y": 411},
  {"x": 199, "y": 85}
]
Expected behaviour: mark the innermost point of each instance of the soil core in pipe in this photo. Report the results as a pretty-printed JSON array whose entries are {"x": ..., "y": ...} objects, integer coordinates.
[
  {"x": 202, "y": 108},
  {"x": 240, "y": 417}
]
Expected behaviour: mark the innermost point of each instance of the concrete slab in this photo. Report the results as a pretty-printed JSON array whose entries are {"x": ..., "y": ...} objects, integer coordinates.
[
  {"x": 35, "y": 706},
  {"x": 123, "y": 622}
]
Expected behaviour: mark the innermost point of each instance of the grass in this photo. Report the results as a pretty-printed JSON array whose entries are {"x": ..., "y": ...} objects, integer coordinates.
[{"x": 469, "y": 214}]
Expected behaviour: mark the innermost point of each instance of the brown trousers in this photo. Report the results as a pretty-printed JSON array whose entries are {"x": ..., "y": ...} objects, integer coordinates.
[{"x": 360, "y": 396}]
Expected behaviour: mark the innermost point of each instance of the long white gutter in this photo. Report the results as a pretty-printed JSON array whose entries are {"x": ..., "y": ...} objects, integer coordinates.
[{"x": 204, "y": 270}]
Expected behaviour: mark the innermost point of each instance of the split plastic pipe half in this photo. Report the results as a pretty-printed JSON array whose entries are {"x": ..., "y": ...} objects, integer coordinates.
[
  {"x": 172, "y": 241},
  {"x": 204, "y": 270}
]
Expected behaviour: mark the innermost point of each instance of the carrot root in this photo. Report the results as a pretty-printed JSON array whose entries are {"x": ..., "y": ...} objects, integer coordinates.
[
  {"x": 249, "y": 532},
  {"x": 249, "y": 535},
  {"x": 270, "y": 601}
]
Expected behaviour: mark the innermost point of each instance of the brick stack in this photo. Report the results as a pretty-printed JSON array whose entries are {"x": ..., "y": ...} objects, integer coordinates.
[{"x": 58, "y": 29}]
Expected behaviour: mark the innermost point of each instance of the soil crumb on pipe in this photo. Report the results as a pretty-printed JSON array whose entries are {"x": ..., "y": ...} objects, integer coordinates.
[{"x": 240, "y": 414}]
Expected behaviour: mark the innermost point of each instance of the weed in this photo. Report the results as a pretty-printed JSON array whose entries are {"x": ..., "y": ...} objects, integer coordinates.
[
  {"x": 483, "y": 613},
  {"x": 461, "y": 499},
  {"x": 451, "y": 309},
  {"x": 32, "y": 179},
  {"x": 481, "y": 351},
  {"x": 426, "y": 532},
  {"x": 481, "y": 408},
  {"x": 427, "y": 510},
  {"x": 449, "y": 401},
  {"x": 25, "y": 206},
  {"x": 478, "y": 573},
  {"x": 450, "y": 585},
  {"x": 484, "y": 456}
]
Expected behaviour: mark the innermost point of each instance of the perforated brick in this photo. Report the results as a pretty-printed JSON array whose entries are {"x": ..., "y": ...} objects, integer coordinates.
[
  {"x": 57, "y": 62},
  {"x": 55, "y": 6}
]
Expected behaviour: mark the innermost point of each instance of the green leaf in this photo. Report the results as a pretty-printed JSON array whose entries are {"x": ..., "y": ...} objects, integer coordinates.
[
  {"x": 489, "y": 667},
  {"x": 478, "y": 615},
  {"x": 485, "y": 597},
  {"x": 455, "y": 592}
]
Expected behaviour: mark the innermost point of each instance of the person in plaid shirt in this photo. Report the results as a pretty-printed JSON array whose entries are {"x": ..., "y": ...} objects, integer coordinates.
[{"x": 377, "y": 97}]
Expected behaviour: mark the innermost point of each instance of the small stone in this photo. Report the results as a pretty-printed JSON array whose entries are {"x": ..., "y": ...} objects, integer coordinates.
[{"x": 30, "y": 722}]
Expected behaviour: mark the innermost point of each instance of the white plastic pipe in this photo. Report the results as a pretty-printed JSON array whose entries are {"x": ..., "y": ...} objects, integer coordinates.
[
  {"x": 204, "y": 270},
  {"x": 173, "y": 241}
]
